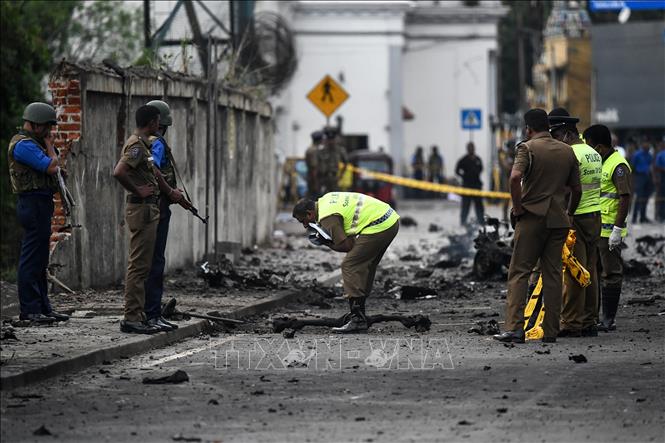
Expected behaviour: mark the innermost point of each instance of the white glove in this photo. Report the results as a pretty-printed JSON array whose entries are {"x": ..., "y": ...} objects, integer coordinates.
[{"x": 615, "y": 237}]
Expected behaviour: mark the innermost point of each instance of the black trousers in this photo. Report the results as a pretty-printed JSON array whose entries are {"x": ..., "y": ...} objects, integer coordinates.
[{"x": 34, "y": 212}]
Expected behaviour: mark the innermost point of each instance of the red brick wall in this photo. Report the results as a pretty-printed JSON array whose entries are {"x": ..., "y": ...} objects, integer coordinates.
[{"x": 67, "y": 102}]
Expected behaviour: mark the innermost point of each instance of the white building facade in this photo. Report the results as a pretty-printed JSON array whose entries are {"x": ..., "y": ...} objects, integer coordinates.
[{"x": 430, "y": 59}]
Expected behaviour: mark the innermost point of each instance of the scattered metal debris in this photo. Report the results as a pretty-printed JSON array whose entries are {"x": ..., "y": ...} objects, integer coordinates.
[
  {"x": 649, "y": 245},
  {"x": 493, "y": 249},
  {"x": 169, "y": 311}
]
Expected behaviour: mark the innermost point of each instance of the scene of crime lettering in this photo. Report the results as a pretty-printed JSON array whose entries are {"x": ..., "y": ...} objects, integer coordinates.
[{"x": 332, "y": 221}]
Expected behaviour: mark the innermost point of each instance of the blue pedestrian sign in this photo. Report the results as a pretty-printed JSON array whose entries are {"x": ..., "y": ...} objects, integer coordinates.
[{"x": 471, "y": 118}]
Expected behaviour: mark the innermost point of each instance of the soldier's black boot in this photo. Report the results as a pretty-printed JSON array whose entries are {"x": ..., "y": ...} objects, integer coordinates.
[
  {"x": 358, "y": 321},
  {"x": 610, "y": 304}
]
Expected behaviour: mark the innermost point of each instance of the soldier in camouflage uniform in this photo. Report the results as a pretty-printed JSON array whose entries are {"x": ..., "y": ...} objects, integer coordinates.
[
  {"x": 330, "y": 157},
  {"x": 33, "y": 167}
]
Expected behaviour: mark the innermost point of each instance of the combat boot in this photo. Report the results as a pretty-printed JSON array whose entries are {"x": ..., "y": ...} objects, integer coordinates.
[
  {"x": 610, "y": 303},
  {"x": 358, "y": 321}
]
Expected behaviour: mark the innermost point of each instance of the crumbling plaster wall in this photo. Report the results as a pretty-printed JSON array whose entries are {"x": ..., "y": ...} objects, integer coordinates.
[{"x": 242, "y": 204}]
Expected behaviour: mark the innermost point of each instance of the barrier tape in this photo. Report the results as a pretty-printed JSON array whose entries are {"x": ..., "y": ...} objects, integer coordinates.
[{"x": 425, "y": 185}]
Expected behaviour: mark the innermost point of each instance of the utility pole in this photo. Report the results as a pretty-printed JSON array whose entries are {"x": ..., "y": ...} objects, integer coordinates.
[
  {"x": 521, "y": 74},
  {"x": 146, "y": 24}
]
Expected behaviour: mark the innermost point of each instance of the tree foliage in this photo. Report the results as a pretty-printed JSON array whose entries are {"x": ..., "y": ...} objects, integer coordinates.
[{"x": 105, "y": 29}]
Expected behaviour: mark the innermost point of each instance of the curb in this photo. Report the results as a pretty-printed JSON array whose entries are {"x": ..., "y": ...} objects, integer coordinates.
[{"x": 124, "y": 350}]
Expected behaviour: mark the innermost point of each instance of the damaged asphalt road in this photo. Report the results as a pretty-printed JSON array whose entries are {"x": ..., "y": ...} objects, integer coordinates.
[{"x": 393, "y": 384}]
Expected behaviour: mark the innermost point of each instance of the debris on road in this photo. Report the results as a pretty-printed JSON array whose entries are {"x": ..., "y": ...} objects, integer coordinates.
[
  {"x": 42, "y": 431},
  {"x": 419, "y": 322},
  {"x": 635, "y": 268},
  {"x": 407, "y": 221},
  {"x": 580, "y": 358},
  {"x": 177, "y": 377},
  {"x": 181, "y": 437},
  {"x": 649, "y": 245},
  {"x": 490, "y": 327},
  {"x": 415, "y": 292}
]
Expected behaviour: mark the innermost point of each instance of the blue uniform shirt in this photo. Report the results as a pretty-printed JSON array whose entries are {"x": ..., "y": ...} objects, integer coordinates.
[
  {"x": 660, "y": 159},
  {"x": 159, "y": 153},
  {"x": 642, "y": 161},
  {"x": 28, "y": 153}
]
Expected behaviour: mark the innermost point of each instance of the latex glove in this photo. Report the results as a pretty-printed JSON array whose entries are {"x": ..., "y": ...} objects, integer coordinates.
[{"x": 615, "y": 238}]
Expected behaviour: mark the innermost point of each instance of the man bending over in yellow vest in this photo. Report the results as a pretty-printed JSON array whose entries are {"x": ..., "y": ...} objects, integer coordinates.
[{"x": 359, "y": 225}]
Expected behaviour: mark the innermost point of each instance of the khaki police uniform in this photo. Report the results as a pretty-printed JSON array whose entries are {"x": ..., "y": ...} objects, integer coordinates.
[
  {"x": 373, "y": 223},
  {"x": 548, "y": 166},
  {"x": 580, "y": 304},
  {"x": 142, "y": 217}
]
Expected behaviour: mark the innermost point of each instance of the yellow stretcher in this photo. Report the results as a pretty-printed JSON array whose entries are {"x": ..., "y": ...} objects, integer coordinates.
[{"x": 535, "y": 307}]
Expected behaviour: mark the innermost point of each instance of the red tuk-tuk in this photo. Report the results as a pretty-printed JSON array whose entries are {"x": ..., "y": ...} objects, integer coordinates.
[{"x": 377, "y": 162}]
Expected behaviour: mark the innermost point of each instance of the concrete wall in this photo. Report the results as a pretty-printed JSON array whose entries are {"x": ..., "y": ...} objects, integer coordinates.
[{"x": 242, "y": 200}]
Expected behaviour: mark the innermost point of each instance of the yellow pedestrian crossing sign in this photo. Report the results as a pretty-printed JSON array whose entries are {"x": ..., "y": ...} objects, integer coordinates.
[{"x": 327, "y": 95}]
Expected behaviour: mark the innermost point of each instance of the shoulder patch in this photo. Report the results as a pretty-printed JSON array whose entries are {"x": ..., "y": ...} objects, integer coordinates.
[
  {"x": 134, "y": 152},
  {"x": 620, "y": 171}
]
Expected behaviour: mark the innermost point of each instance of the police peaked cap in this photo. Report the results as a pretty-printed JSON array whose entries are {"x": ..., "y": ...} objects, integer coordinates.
[
  {"x": 560, "y": 117},
  {"x": 317, "y": 136}
]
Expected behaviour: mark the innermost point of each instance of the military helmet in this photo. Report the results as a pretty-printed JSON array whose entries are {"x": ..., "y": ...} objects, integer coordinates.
[
  {"x": 164, "y": 112},
  {"x": 40, "y": 113}
]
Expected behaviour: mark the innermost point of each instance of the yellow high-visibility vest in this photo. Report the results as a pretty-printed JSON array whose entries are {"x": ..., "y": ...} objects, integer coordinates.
[
  {"x": 361, "y": 213},
  {"x": 609, "y": 195},
  {"x": 591, "y": 164}
]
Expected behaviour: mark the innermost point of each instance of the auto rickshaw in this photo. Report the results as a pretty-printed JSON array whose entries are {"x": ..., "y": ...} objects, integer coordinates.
[{"x": 377, "y": 162}]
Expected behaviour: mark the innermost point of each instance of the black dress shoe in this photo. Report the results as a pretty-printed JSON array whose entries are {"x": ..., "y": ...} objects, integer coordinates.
[
  {"x": 510, "y": 337},
  {"x": 57, "y": 316},
  {"x": 37, "y": 319},
  {"x": 590, "y": 331},
  {"x": 549, "y": 340},
  {"x": 569, "y": 333},
  {"x": 157, "y": 324},
  {"x": 168, "y": 323},
  {"x": 138, "y": 327}
]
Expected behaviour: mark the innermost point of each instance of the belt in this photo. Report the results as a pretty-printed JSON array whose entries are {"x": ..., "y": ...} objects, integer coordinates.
[
  {"x": 588, "y": 214},
  {"x": 152, "y": 200},
  {"x": 383, "y": 218}
]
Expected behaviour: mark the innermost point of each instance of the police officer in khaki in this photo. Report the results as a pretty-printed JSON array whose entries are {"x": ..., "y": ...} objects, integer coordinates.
[
  {"x": 615, "y": 192},
  {"x": 33, "y": 167},
  {"x": 543, "y": 170},
  {"x": 162, "y": 158},
  {"x": 136, "y": 173},
  {"x": 580, "y": 305},
  {"x": 361, "y": 226},
  {"x": 329, "y": 159}
]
